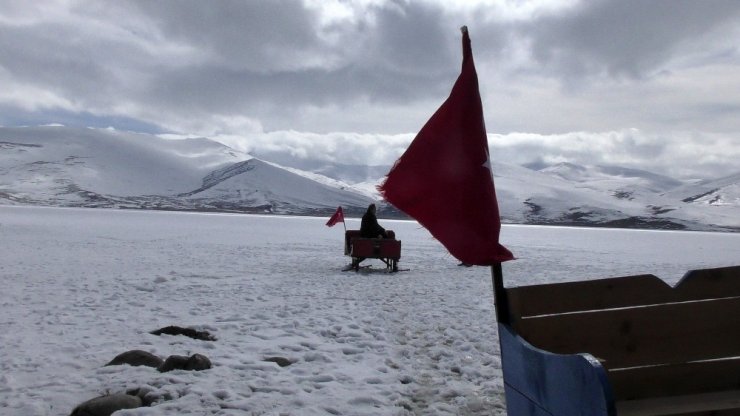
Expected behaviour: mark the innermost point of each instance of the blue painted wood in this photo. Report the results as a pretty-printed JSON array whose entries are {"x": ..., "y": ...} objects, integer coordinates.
[
  {"x": 517, "y": 404},
  {"x": 540, "y": 383}
]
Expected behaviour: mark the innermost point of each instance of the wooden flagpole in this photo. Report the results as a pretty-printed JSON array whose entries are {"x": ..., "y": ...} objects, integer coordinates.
[{"x": 500, "y": 299}]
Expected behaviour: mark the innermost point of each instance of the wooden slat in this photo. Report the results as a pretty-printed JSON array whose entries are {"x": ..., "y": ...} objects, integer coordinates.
[
  {"x": 705, "y": 283},
  {"x": 621, "y": 292},
  {"x": 707, "y": 403},
  {"x": 629, "y": 337},
  {"x": 613, "y": 292},
  {"x": 723, "y": 412},
  {"x": 675, "y": 380}
]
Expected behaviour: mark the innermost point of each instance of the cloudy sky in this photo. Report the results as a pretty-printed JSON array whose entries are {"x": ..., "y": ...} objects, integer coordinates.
[{"x": 651, "y": 84}]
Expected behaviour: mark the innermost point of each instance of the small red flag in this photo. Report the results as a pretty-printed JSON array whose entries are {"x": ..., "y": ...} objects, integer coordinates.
[
  {"x": 444, "y": 179},
  {"x": 337, "y": 217}
]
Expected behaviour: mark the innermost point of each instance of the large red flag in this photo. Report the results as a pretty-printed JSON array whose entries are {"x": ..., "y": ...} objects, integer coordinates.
[
  {"x": 338, "y": 216},
  {"x": 444, "y": 179}
]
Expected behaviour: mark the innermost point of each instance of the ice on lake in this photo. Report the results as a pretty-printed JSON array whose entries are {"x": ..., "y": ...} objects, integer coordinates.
[{"x": 80, "y": 286}]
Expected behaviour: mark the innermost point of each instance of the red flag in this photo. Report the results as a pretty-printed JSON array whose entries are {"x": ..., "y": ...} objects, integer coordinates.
[
  {"x": 444, "y": 179},
  {"x": 337, "y": 217}
]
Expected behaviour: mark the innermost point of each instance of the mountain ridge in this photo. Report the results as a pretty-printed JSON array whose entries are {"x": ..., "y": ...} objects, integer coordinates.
[{"x": 60, "y": 166}]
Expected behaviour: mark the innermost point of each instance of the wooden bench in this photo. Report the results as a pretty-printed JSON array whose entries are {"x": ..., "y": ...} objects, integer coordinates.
[
  {"x": 388, "y": 250},
  {"x": 623, "y": 346}
]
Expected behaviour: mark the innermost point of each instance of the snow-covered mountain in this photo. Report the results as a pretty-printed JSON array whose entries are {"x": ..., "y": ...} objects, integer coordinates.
[
  {"x": 616, "y": 196},
  {"x": 63, "y": 166}
]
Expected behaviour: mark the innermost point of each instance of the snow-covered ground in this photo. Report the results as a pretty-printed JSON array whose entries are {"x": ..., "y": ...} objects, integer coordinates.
[{"x": 80, "y": 286}]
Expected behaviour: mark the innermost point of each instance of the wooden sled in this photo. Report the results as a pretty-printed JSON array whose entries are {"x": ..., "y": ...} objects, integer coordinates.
[
  {"x": 388, "y": 250},
  {"x": 623, "y": 346}
]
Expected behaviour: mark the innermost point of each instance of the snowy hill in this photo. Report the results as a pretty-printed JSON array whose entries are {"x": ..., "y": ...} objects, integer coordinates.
[
  {"x": 62, "y": 166},
  {"x": 612, "y": 178},
  {"x": 569, "y": 194},
  {"x": 103, "y": 168},
  {"x": 658, "y": 201},
  {"x": 255, "y": 183},
  {"x": 719, "y": 192}
]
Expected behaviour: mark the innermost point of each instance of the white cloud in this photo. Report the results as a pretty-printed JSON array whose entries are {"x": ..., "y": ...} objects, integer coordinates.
[
  {"x": 684, "y": 155},
  {"x": 679, "y": 154},
  {"x": 346, "y": 148}
]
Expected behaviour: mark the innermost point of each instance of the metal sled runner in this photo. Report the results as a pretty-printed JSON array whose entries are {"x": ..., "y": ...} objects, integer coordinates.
[
  {"x": 388, "y": 250},
  {"x": 623, "y": 346}
]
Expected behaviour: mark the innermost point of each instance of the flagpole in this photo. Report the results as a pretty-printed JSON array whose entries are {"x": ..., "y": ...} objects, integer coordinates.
[{"x": 500, "y": 299}]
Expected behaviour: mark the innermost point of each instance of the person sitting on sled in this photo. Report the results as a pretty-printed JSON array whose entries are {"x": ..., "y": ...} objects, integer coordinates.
[{"x": 369, "y": 228}]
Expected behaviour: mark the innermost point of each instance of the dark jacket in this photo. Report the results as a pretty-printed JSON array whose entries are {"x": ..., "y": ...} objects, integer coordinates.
[{"x": 369, "y": 228}]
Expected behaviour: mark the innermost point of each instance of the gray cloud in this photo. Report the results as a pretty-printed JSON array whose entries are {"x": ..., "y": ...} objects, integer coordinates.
[
  {"x": 257, "y": 37},
  {"x": 377, "y": 69},
  {"x": 627, "y": 38}
]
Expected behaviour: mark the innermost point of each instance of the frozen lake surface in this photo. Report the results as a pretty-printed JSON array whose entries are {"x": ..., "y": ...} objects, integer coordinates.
[{"x": 80, "y": 286}]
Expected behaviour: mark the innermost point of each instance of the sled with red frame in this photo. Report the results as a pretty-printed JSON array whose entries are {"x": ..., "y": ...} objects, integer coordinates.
[{"x": 387, "y": 250}]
